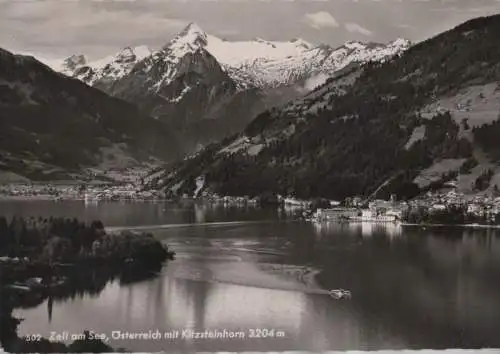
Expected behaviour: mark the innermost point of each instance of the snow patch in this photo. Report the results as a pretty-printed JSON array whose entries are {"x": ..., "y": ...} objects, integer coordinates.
[
  {"x": 111, "y": 67},
  {"x": 417, "y": 135},
  {"x": 255, "y": 62},
  {"x": 184, "y": 91},
  {"x": 241, "y": 53}
]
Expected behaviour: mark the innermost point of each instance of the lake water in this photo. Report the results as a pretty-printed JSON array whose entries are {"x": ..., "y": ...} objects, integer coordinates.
[{"x": 411, "y": 288}]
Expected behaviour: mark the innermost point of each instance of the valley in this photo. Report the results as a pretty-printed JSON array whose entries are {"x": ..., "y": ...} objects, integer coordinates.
[
  {"x": 370, "y": 129},
  {"x": 206, "y": 89},
  {"x": 254, "y": 118},
  {"x": 301, "y": 157}
]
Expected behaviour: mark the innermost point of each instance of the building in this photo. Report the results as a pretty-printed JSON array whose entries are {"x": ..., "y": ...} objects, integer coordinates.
[
  {"x": 438, "y": 207},
  {"x": 371, "y": 215},
  {"x": 336, "y": 213}
]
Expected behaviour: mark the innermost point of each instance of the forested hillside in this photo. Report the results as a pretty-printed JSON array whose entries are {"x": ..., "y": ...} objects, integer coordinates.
[
  {"x": 52, "y": 125},
  {"x": 360, "y": 139}
]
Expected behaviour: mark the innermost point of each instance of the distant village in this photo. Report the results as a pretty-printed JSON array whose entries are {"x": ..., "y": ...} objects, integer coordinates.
[
  {"x": 60, "y": 192},
  {"x": 434, "y": 207}
]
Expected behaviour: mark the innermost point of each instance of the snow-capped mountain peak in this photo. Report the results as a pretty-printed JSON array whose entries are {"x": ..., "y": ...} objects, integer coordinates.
[
  {"x": 73, "y": 62},
  {"x": 106, "y": 69},
  {"x": 400, "y": 42},
  {"x": 257, "y": 62},
  {"x": 301, "y": 43},
  {"x": 192, "y": 30},
  {"x": 190, "y": 39},
  {"x": 354, "y": 45},
  {"x": 125, "y": 55},
  {"x": 272, "y": 64},
  {"x": 141, "y": 51}
]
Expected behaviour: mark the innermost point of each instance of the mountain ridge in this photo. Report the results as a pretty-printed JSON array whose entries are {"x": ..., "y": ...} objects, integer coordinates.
[
  {"x": 373, "y": 130},
  {"x": 263, "y": 63},
  {"x": 206, "y": 88},
  {"x": 51, "y": 122},
  {"x": 100, "y": 73}
]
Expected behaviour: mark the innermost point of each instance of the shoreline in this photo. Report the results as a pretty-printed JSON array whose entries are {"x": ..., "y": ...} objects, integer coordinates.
[
  {"x": 63, "y": 199},
  {"x": 32, "y": 198},
  {"x": 468, "y": 226}
]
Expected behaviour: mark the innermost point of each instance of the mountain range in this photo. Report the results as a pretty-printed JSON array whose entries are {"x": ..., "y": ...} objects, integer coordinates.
[
  {"x": 54, "y": 127},
  {"x": 257, "y": 63},
  {"x": 417, "y": 121},
  {"x": 141, "y": 105},
  {"x": 206, "y": 88}
]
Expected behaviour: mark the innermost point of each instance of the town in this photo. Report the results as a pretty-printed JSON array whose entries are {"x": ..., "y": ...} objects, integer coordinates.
[
  {"x": 445, "y": 206},
  {"x": 449, "y": 207},
  {"x": 87, "y": 192}
]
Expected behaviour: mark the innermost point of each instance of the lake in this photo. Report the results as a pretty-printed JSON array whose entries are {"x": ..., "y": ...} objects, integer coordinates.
[{"x": 261, "y": 273}]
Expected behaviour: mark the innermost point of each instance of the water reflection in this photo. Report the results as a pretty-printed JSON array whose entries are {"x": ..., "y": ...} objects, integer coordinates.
[
  {"x": 131, "y": 213},
  {"x": 443, "y": 284},
  {"x": 81, "y": 283},
  {"x": 200, "y": 212},
  {"x": 364, "y": 229},
  {"x": 367, "y": 229},
  {"x": 50, "y": 304},
  {"x": 412, "y": 288}
]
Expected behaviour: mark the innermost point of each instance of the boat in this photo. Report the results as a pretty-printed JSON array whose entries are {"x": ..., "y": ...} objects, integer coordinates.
[
  {"x": 19, "y": 287},
  {"x": 340, "y": 294}
]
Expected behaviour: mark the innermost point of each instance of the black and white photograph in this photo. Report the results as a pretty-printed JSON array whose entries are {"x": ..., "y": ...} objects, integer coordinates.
[{"x": 188, "y": 176}]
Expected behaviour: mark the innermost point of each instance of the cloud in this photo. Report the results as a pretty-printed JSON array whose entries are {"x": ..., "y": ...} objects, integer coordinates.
[
  {"x": 79, "y": 24},
  {"x": 355, "y": 28},
  {"x": 402, "y": 25},
  {"x": 98, "y": 28},
  {"x": 320, "y": 20}
]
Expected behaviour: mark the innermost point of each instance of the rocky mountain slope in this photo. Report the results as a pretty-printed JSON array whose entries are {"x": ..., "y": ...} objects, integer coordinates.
[
  {"x": 184, "y": 86},
  {"x": 259, "y": 63},
  {"x": 272, "y": 64},
  {"x": 53, "y": 126},
  {"x": 373, "y": 131},
  {"x": 206, "y": 88},
  {"x": 101, "y": 73}
]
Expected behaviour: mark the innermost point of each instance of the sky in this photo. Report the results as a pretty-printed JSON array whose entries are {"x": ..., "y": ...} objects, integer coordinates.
[{"x": 55, "y": 29}]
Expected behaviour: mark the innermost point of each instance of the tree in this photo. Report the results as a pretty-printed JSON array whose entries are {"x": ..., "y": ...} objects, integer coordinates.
[{"x": 56, "y": 249}]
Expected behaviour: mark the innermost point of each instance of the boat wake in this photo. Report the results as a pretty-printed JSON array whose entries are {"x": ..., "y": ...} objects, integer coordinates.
[
  {"x": 215, "y": 258},
  {"x": 263, "y": 276},
  {"x": 171, "y": 226}
]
